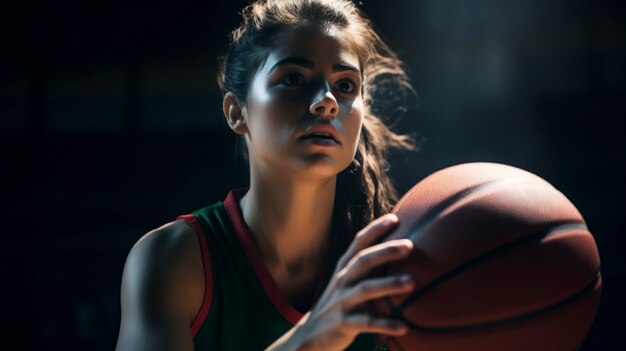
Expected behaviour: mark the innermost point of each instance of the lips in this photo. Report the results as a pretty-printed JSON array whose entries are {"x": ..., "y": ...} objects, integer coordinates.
[{"x": 321, "y": 132}]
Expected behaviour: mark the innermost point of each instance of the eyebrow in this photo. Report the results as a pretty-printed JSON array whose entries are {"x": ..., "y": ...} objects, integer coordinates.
[{"x": 339, "y": 67}]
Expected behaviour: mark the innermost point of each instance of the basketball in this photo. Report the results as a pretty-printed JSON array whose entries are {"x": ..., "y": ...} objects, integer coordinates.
[{"x": 502, "y": 261}]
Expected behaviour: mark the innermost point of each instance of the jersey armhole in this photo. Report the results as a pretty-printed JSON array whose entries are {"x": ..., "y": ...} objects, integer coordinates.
[{"x": 207, "y": 299}]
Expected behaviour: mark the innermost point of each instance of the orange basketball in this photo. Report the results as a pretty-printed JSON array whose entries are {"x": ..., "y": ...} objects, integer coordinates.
[{"x": 502, "y": 261}]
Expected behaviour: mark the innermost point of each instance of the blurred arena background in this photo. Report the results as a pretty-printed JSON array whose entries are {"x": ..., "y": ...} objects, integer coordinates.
[{"x": 111, "y": 125}]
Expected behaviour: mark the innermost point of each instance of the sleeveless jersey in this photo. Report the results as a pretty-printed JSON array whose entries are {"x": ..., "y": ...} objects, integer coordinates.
[{"x": 243, "y": 307}]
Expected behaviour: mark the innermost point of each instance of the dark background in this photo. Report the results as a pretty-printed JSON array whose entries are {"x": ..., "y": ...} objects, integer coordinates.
[{"x": 111, "y": 126}]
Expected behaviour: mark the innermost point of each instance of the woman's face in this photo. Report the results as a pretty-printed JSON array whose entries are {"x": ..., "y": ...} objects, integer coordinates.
[{"x": 304, "y": 109}]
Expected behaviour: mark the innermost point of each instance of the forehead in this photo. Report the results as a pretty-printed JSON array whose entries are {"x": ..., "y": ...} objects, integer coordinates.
[{"x": 321, "y": 45}]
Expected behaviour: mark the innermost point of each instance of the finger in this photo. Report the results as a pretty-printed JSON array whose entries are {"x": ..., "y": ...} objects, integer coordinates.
[
  {"x": 368, "y": 259},
  {"x": 368, "y": 235},
  {"x": 362, "y": 323},
  {"x": 376, "y": 288}
]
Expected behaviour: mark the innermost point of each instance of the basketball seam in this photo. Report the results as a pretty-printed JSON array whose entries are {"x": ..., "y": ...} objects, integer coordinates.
[
  {"x": 397, "y": 310},
  {"x": 501, "y": 322},
  {"x": 430, "y": 215}
]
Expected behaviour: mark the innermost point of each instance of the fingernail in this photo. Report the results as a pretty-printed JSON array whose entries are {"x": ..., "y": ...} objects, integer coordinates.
[
  {"x": 387, "y": 223},
  {"x": 407, "y": 244},
  {"x": 405, "y": 278},
  {"x": 392, "y": 217}
]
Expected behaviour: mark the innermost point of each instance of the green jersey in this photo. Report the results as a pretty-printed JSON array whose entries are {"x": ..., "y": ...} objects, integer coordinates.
[{"x": 243, "y": 307}]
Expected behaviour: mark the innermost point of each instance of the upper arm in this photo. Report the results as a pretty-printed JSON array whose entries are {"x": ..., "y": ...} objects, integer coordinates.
[{"x": 162, "y": 289}]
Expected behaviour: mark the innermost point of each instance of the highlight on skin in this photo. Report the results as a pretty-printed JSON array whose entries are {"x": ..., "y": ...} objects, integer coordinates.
[{"x": 364, "y": 189}]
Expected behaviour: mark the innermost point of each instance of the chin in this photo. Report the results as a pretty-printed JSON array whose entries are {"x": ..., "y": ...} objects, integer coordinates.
[{"x": 325, "y": 167}]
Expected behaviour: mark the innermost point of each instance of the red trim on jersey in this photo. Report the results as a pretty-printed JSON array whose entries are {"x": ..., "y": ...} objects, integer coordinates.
[
  {"x": 207, "y": 299},
  {"x": 231, "y": 204}
]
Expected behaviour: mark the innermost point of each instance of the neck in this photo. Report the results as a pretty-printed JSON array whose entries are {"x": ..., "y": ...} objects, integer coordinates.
[{"x": 289, "y": 220}]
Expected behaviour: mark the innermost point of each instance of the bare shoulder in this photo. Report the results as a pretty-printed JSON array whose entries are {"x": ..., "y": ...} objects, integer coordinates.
[
  {"x": 174, "y": 242},
  {"x": 162, "y": 286},
  {"x": 167, "y": 261}
]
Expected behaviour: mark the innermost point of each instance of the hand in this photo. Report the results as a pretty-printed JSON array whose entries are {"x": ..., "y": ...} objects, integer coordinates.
[{"x": 336, "y": 319}]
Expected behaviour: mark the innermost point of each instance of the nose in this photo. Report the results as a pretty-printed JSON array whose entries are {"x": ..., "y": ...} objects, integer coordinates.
[{"x": 324, "y": 103}]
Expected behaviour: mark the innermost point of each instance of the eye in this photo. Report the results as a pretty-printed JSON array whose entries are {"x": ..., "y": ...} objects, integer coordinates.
[
  {"x": 292, "y": 79},
  {"x": 346, "y": 86}
]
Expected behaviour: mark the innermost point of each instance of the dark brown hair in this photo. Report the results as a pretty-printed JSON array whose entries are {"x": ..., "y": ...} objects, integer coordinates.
[{"x": 364, "y": 189}]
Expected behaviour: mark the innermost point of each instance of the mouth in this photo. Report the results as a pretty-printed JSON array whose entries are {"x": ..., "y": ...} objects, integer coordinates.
[
  {"x": 327, "y": 137},
  {"x": 321, "y": 134}
]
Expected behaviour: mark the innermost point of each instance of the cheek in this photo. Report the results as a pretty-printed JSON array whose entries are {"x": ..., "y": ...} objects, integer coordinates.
[
  {"x": 354, "y": 120},
  {"x": 261, "y": 111},
  {"x": 271, "y": 120}
]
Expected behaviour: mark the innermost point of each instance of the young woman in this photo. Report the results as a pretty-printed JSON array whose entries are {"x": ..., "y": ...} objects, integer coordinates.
[{"x": 285, "y": 264}]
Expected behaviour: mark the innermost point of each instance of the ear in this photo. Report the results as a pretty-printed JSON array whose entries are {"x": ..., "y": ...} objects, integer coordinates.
[{"x": 234, "y": 113}]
